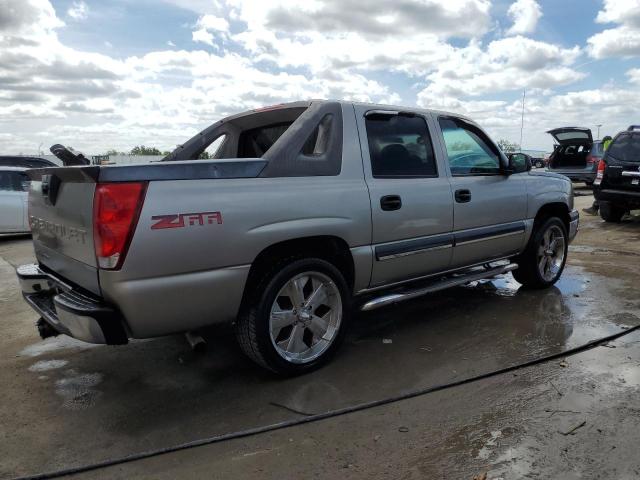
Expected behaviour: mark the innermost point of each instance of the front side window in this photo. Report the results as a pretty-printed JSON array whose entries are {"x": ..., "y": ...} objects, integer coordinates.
[
  {"x": 399, "y": 146},
  {"x": 468, "y": 149}
]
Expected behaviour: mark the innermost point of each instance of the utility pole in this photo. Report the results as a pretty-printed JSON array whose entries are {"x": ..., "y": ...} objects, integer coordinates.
[
  {"x": 524, "y": 92},
  {"x": 598, "y": 137}
]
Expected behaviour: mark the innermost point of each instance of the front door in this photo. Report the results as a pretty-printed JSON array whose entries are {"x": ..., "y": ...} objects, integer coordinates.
[
  {"x": 489, "y": 206},
  {"x": 411, "y": 201}
]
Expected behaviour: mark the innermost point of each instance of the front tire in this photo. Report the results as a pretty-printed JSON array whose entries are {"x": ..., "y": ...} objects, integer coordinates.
[
  {"x": 296, "y": 318},
  {"x": 611, "y": 213},
  {"x": 543, "y": 261}
]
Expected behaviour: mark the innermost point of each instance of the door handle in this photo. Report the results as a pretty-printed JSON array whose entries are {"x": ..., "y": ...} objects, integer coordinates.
[
  {"x": 390, "y": 202},
  {"x": 463, "y": 196}
]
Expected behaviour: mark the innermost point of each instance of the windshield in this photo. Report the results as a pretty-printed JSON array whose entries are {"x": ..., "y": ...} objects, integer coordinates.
[{"x": 625, "y": 148}]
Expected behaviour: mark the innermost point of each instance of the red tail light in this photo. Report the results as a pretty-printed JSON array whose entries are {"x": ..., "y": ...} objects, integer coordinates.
[
  {"x": 600, "y": 172},
  {"x": 591, "y": 159},
  {"x": 116, "y": 208}
]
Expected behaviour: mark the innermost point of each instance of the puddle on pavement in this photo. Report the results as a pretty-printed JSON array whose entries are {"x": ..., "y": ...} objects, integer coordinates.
[
  {"x": 178, "y": 396},
  {"x": 46, "y": 365},
  {"x": 78, "y": 389},
  {"x": 52, "y": 344}
]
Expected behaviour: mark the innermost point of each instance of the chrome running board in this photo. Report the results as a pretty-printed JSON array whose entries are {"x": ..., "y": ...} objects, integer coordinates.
[{"x": 446, "y": 282}]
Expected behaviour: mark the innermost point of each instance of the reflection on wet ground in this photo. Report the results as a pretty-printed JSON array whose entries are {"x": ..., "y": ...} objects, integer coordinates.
[{"x": 156, "y": 393}]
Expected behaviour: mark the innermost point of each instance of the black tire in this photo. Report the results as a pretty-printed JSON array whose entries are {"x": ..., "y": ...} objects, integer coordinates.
[
  {"x": 539, "y": 164},
  {"x": 611, "y": 213},
  {"x": 252, "y": 327},
  {"x": 528, "y": 272},
  {"x": 589, "y": 183}
]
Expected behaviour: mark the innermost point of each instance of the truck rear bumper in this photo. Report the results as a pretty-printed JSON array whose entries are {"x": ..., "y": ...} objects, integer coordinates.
[{"x": 69, "y": 311}]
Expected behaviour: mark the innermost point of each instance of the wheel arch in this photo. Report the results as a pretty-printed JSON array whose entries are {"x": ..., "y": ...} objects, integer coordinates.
[
  {"x": 331, "y": 248},
  {"x": 553, "y": 209}
]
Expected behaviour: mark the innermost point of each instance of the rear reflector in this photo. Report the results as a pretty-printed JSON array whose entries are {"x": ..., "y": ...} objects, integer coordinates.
[
  {"x": 116, "y": 208},
  {"x": 600, "y": 172}
]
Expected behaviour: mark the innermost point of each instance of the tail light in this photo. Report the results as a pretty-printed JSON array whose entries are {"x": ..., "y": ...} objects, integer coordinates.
[
  {"x": 116, "y": 208},
  {"x": 600, "y": 172},
  {"x": 591, "y": 159}
]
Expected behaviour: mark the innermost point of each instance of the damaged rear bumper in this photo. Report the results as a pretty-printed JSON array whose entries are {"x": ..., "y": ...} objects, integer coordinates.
[{"x": 68, "y": 310}]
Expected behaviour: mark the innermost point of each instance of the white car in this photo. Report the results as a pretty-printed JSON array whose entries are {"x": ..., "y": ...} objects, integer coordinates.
[{"x": 14, "y": 191}]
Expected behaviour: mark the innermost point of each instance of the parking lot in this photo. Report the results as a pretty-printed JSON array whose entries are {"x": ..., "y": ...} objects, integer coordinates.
[{"x": 68, "y": 404}]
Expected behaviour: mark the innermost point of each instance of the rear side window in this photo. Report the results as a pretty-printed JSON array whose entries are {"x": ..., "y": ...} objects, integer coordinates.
[
  {"x": 400, "y": 146},
  {"x": 214, "y": 147},
  {"x": 469, "y": 150},
  {"x": 625, "y": 148},
  {"x": 318, "y": 141},
  {"x": 256, "y": 142}
]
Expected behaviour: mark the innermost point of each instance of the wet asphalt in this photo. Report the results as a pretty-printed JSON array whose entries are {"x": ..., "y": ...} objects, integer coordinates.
[{"x": 65, "y": 403}]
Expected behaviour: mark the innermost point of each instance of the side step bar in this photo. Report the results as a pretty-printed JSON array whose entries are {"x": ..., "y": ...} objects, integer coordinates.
[{"x": 443, "y": 284}]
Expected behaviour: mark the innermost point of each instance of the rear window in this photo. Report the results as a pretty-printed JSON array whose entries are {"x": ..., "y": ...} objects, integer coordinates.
[
  {"x": 625, "y": 148},
  {"x": 572, "y": 135},
  {"x": 256, "y": 142}
]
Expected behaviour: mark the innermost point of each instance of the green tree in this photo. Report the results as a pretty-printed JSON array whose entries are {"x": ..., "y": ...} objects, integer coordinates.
[
  {"x": 142, "y": 150},
  {"x": 507, "y": 147}
]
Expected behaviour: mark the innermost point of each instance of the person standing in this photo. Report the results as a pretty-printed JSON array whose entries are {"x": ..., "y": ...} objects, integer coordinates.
[{"x": 593, "y": 209}]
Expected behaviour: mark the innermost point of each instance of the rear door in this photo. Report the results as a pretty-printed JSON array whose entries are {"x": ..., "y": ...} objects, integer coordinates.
[
  {"x": 489, "y": 206},
  {"x": 571, "y": 135},
  {"x": 411, "y": 202},
  {"x": 623, "y": 162},
  {"x": 11, "y": 202}
]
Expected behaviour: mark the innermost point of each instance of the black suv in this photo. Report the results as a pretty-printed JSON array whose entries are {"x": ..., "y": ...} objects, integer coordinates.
[{"x": 617, "y": 184}]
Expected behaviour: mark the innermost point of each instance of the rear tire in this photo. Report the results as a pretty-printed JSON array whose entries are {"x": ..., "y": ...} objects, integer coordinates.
[
  {"x": 543, "y": 261},
  {"x": 296, "y": 317},
  {"x": 611, "y": 213}
]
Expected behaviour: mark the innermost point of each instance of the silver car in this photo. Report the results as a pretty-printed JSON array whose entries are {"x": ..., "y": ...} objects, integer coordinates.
[
  {"x": 301, "y": 213},
  {"x": 14, "y": 188}
]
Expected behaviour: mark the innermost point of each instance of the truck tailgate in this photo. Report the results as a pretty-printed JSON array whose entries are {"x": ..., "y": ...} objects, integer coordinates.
[{"x": 61, "y": 220}]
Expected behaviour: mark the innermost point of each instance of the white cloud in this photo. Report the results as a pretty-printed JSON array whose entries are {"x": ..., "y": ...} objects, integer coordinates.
[
  {"x": 620, "y": 11},
  {"x": 507, "y": 64},
  {"x": 202, "y": 36},
  {"x": 170, "y": 43},
  {"x": 208, "y": 28},
  {"x": 78, "y": 10},
  {"x": 525, "y": 15},
  {"x": 634, "y": 75},
  {"x": 211, "y": 22},
  {"x": 622, "y": 40}
]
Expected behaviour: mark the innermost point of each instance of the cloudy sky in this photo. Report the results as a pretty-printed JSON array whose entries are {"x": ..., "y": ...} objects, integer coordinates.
[{"x": 97, "y": 74}]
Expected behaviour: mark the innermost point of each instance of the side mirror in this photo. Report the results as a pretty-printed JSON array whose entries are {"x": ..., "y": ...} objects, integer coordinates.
[{"x": 519, "y": 162}]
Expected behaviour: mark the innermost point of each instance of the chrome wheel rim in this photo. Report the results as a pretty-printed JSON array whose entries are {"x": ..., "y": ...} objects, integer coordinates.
[
  {"x": 551, "y": 253},
  {"x": 305, "y": 317}
]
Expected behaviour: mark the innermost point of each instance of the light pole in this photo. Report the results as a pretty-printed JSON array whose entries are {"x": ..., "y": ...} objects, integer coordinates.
[
  {"x": 524, "y": 92},
  {"x": 598, "y": 137}
]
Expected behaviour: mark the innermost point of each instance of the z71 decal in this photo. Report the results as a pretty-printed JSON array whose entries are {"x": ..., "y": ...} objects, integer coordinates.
[{"x": 180, "y": 220}]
